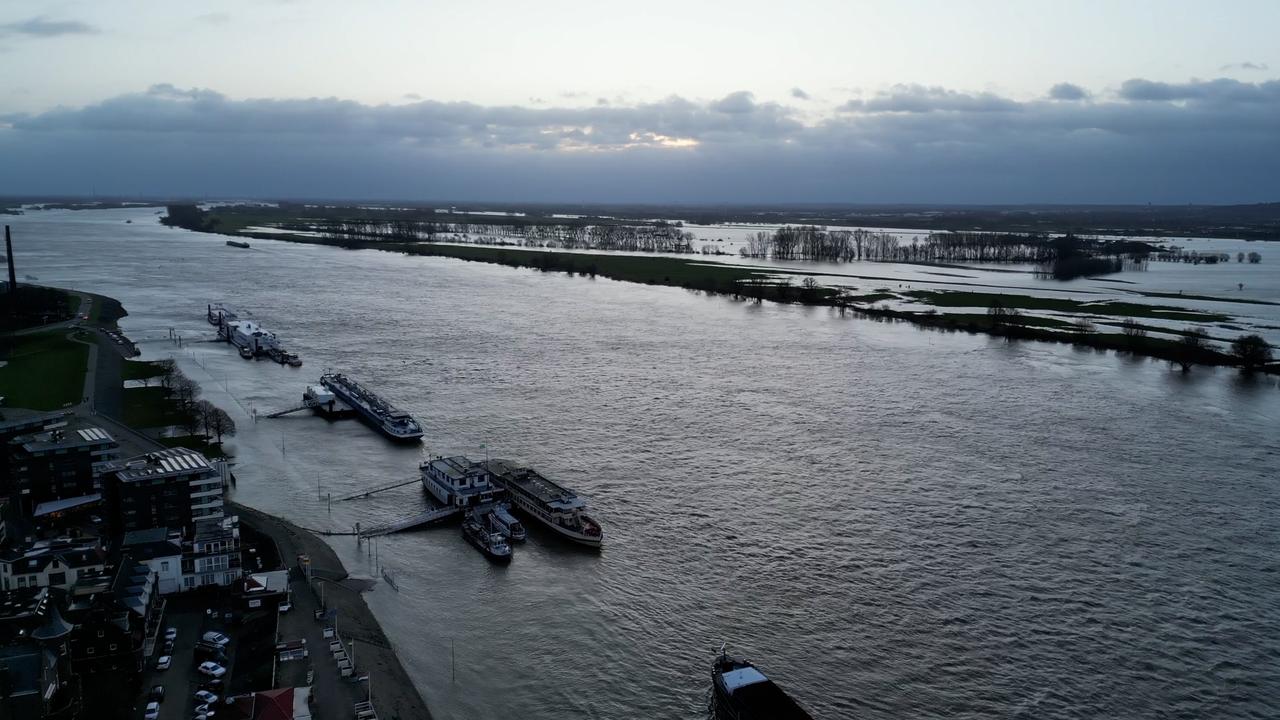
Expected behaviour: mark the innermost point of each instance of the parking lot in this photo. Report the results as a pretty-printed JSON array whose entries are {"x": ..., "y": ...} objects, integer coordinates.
[{"x": 180, "y": 681}]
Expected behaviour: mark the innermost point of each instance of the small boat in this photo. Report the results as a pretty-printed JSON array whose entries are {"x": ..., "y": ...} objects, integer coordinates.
[
  {"x": 238, "y": 243},
  {"x": 246, "y": 353},
  {"x": 292, "y": 360},
  {"x": 491, "y": 544},
  {"x": 128, "y": 222},
  {"x": 504, "y": 522},
  {"x": 739, "y": 691}
]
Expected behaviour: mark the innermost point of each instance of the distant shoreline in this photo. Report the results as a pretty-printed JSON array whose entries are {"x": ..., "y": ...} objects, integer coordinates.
[{"x": 751, "y": 284}]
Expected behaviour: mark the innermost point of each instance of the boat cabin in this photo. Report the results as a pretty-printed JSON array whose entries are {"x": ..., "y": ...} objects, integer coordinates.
[{"x": 458, "y": 482}]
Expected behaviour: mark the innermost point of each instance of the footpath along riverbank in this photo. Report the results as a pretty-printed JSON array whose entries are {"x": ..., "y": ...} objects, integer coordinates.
[{"x": 394, "y": 694}]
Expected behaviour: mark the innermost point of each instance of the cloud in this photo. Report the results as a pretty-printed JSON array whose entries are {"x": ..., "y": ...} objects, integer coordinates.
[
  {"x": 1216, "y": 92},
  {"x": 42, "y": 27},
  {"x": 735, "y": 103},
  {"x": 799, "y": 94},
  {"x": 921, "y": 99},
  {"x": 412, "y": 96},
  {"x": 1199, "y": 141},
  {"x": 1245, "y": 66},
  {"x": 1068, "y": 91},
  {"x": 214, "y": 18}
]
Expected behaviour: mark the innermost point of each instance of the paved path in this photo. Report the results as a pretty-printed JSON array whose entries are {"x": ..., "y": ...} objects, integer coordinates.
[{"x": 394, "y": 694}]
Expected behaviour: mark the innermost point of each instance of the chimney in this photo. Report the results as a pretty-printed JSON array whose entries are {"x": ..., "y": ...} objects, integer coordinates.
[{"x": 13, "y": 277}]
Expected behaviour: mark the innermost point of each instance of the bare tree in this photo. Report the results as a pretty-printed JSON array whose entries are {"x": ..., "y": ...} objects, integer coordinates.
[
  {"x": 220, "y": 424},
  {"x": 168, "y": 371},
  {"x": 1191, "y": 347},
  {"x": 185, "y": 391}
]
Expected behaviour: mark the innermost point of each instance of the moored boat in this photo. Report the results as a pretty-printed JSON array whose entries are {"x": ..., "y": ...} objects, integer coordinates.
[
  {"x": 382, "y": 415},
  {"x": 458, "y": 482},
  {"x": 504, "y": 522},
  {"x": 238, "y": 243},
  {"x": 556, "y": 507},
  {"x": 491, "y": 544},
  {"x": 739, "y": 691},
  {"x": 246, "y": 353}
]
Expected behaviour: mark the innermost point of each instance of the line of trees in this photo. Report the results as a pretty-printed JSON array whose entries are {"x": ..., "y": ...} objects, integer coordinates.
[
  {"x": 801, "y": 242},
  {"x": 657, "y": 237},
  {"x": 199, "y": 417}
]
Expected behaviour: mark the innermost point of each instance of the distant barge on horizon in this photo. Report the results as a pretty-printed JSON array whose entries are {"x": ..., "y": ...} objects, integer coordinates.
[{"x": 238, "y": 243}]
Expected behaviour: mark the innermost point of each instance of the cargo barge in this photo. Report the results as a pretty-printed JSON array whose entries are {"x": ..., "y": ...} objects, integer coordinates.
[{"x": 380, "y": 414}]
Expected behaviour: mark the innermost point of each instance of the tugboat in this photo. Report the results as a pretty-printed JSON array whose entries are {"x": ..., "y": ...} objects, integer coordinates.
[
  {"x": 491, "y": 544},
  {"x": 246, "y": 353},
  {"x": 739, "y": 691}
]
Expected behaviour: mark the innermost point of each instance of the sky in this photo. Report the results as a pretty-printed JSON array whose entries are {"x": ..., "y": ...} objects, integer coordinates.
[{"x": 915, "y": 101}]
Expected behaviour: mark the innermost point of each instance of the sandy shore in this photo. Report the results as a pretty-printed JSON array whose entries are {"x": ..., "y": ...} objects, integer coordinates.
[{"x": 395, "y": 695}]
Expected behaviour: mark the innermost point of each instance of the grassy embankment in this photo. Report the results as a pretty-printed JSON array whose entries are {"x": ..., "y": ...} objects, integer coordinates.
[
  {"x": 43, "y": 370},
  {"x": 789, "y": 286},
  {"x": 154, "y": 407}
]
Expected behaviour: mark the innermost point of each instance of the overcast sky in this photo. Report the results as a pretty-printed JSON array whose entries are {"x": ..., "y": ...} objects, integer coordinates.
[{"x": 805, "y": 100}]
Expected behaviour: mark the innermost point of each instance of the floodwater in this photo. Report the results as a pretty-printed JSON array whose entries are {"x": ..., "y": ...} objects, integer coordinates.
[{"x": 892, "y": 522}]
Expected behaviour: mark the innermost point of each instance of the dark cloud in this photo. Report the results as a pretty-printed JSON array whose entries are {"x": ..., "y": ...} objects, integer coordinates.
[
  {"x": 1218, "y": 92},
  {"x": 42, "y": 27},
  {"x": 1245, "y": 66},
  {"x": 1068, "y": 91},
  {"x": 799, "y": 94},
  {"x": 1201, "y": 141},
  {"x": 921, "y": 99}
]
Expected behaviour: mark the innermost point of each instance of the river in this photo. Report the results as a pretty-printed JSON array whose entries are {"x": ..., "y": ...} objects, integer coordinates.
[{"x": 892, "y": 522}]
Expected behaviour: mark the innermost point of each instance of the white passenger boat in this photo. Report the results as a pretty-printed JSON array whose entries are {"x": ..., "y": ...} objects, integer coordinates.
[{"x": 556, "y": 507}]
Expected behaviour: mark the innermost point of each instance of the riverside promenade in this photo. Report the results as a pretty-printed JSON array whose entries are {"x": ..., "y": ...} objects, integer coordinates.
[{"x": 394, "y": 695}]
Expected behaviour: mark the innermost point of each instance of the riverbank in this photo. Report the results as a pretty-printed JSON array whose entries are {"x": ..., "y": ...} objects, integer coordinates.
[
  {"x": 946, "y": 310},
  {"x": 94, "y": 340},
  {"x": 394, "y": 693}
]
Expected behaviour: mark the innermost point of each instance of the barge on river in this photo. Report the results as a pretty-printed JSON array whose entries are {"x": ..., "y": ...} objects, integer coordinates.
[
  {"x": 250, "y": 338},
  {"x": 378, "y": 413},
  {"x": 558, "y": 508}
]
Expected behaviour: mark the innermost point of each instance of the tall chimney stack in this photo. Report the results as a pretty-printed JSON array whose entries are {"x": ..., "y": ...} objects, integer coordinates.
[{"x": 13, "y": 276}]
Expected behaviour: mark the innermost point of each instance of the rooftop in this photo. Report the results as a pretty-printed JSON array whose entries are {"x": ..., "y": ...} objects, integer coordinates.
[
  {"x": 65, "y": 439},
  {"x": 168, "y": 462}
]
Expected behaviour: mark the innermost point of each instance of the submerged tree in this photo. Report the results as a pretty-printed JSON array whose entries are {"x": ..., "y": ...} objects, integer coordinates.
[
  {"x": 1251, "y": 352},
  {"x": 1193, "y": 346}
]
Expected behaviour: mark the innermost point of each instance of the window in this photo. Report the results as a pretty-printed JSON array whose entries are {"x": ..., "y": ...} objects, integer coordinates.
[
  {"x": 58, "y": 578},
  {"x": 101, "y": 633},
  {"x": 112, "y": 647},
  {"x": 164, "y": 566},
  {"x": 22, "y": 581}
]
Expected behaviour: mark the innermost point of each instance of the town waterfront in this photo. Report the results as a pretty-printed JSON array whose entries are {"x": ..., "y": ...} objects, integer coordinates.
[{"x": 892, "y": 522}]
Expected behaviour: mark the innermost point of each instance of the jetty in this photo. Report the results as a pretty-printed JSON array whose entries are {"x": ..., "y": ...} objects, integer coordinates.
[
  {"x": 430, "y": 517},
  {"x": 376, "y": 490}
]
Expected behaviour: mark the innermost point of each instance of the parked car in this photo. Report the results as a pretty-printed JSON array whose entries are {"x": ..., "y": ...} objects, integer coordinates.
[
  {"x": 164, "y": 662},
  {"x": 202, "y": 712},
  {"x": 153, "y": 711},
  {"x": 215, "y": 637},
  {"x": 157, "y": 693},
  {"x": 205, "y": 651},
  {"x": 171, "y": 634},
  {"x": 212, "y": 669},
  {"x": 286, "y": 607},
  {"x": 168, "y": 648},
  {"x": 206, "y": 697}
]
